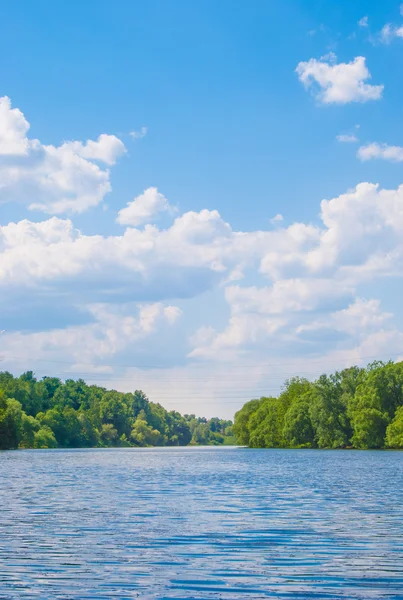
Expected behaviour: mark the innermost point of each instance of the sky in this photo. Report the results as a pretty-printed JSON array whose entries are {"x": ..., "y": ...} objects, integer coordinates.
[{"x": 200, "y": 199}]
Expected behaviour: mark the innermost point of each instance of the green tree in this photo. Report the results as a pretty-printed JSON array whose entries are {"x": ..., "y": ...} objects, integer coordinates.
[
  {"x": 142, "y": 434},
  {"x": 179, "y": 433},
  {"x": 241, "y": 422},
  {"x": 10, "y": 422},
  {"x": 201, "y": 434},
  {"x": 374, "y": 404},
  {"x": 140, "y": 402},
  {"x": 298, "y": 431},
  {"x": 369, "y": 428},
  {"x": 44, "y": 438},
  {"x": 108, "y": 435},
  {"x": 394, "y": 431},
  {"x": 49, "y": 413},
  {"x": 116, "y": 409},
  {"x": 73, "y": 394},
  {"x": 266, "y": 424},
  {"x": 29, "y": 426},
  {"x": 328, "y": 413}
]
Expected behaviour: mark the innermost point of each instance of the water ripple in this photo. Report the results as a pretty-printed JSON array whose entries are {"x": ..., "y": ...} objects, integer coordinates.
[{"x": 201, "y": 524}]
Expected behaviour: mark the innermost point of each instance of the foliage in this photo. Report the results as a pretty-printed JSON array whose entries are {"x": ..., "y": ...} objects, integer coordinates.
[
  {"x": 360, "y": 408},
  {"x": 298, "y": 431},
  {"x": 241, "y": 422},
  {"x": 394, "y": 431},
  {"x": 48, "y": 413}
]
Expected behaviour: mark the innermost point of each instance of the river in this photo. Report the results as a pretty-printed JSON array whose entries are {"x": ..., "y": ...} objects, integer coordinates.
[{"x": 206, "y": 523}]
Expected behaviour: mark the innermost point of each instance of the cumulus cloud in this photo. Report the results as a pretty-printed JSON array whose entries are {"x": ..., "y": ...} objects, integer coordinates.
[
  {"x": 242, "y": 333},
  {"x": 143, "y": 208},
  {"x": 52, "y": 179},
  {"x": 363, "y": 22},
  {"x": 343, "y": 333},
  {"x": 111, "y": 330},
  {"x": 106, "y": 149},
  {"x": 383, "y": 151},
  {"x": 304, "y": 295},
  {"x": 361, "y": 235},
  {"x": 359, "y": 319},
  {"x": 286, "y": 296},
  {"x": 338, "y": 83},
  {"x": 263, "y": 316},
  {"x": 315, "y": 272},
  {"x": 191, "y": 256},
  {"x": 255, "y": 329},
  {"x": 361, "y": 229},
  {"x": 13, "y": 129},
  {"x": 125, "y": 287}
]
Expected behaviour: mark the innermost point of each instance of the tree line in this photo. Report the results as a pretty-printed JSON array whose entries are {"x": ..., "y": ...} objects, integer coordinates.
[
  {"x": 352, "y": 408},
  {"x": 49, "y": 413}
]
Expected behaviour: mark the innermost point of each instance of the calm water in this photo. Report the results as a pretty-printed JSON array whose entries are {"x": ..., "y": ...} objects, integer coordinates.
[{"x": 201, "y": 523}]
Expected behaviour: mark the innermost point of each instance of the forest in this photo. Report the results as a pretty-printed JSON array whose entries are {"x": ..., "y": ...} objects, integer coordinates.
[
  {"x": 48, "y": 413},
  {"x": 354, "y": 408}
]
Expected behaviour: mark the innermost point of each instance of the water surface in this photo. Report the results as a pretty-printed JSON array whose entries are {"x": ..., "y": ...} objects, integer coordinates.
[{"x": 201, "y": 523}]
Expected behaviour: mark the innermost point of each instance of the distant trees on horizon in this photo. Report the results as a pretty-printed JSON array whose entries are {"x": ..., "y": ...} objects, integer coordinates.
[
  {"x": 48, "y": 413},
  {"x": 354, "y": 408}
]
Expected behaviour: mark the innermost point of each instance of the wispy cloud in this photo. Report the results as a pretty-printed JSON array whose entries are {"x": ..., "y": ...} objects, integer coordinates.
[
  {"x": 347, "y": 138},
  {"x": 388, "y": 33},
  {"x": 139, "y": 134}
]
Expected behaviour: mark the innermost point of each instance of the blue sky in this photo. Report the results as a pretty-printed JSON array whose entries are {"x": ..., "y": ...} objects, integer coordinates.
[{"x": 215, "y": 118}]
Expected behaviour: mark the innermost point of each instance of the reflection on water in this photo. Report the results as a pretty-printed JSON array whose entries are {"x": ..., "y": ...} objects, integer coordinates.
[{"x": 201, "y": 523}]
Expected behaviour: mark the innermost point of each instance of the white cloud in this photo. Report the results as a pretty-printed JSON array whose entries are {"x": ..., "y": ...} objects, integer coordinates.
[
  {"x": 52, "y": 179},
  {"x": 315, "y": 272},
  {"x": 13, "y": 129},
  {"x": 375, "y": 150},
  {"x": 285, "y": 296},
  {"x": 106, "y": 149},
  {"x": 363, "y": 22},
  {"x": 265, "y": 316},
  {"x": 338, "y": 83},
  {"x": 143, "y": 208},
  {"x": 362, "y": 224},
  {"x": 360, "y": 235},
  {"x": 389, "y": 32},
  {"x": 276, "y": 219},
  {"x": 172, "y": 313},
  {"x": 359, "y": 319},
  {"x": 347, "y": 138},
  {"x": 194, "y": 254},
  {"x": 253, "y": 330},
  {"x": 112, "y": 329},
  {"x": 242, "y": 332},
  {"x": 362, "y": 316},
  {"x": 303, "y": 300},
  {"x": 139, "y": 134}
]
